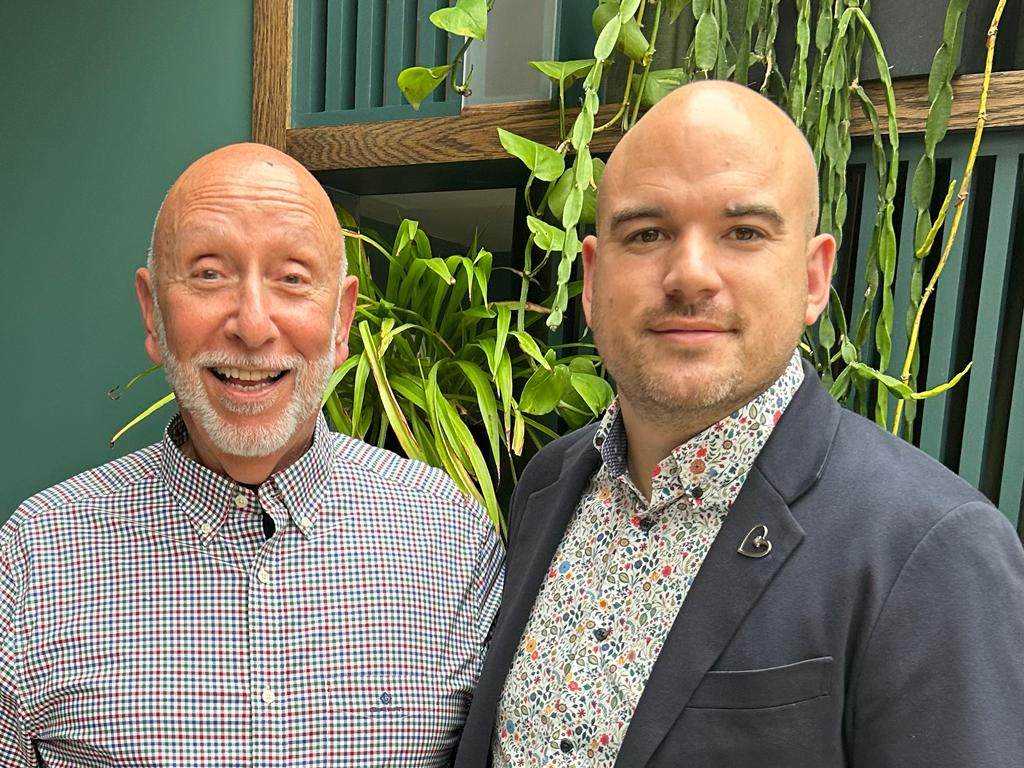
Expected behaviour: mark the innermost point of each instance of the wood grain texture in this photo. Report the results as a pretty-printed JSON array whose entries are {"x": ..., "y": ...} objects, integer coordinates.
[
  {"x": 271, "y": 71},
  {"x": 473, "y": 134},
  {"x": 1005, "y": 107}
]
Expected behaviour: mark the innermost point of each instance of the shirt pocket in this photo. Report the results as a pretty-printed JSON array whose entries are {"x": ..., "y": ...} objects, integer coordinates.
[{"x": 764, "y": 688}]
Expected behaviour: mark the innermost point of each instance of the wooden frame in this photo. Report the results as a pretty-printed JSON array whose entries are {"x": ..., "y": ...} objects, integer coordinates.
[{"x": 472, "y": 135}]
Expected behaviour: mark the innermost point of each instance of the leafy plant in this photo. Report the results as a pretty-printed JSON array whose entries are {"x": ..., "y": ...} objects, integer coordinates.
[
  {"x": 819, "y": 91},
  {"x": 437, "y": 362}
]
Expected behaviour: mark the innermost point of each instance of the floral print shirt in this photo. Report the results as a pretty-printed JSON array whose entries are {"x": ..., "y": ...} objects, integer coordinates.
[{"x": 617, "y": 582}]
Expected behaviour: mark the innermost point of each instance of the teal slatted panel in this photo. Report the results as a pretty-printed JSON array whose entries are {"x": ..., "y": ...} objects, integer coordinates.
[
  {"x": 400, "y": 46},
  {"x": 990, "y": 306},
  {"x": 348, "y": 53},
  {"x": 867, "y": 224},
  {"x": 1011, "y": 489},
  {"x": 339, "y": 91},
  {"x": 369, "y": 87},
  {"x": 944, "y": 324}
]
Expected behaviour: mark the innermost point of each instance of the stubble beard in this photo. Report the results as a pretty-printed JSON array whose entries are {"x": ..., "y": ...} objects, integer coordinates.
[
  {"x": 255, "y": 440},
  {"x": 682, "y": 398}
]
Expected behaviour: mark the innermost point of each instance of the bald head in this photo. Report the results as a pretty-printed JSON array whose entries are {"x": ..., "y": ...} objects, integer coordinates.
[
  {"x": 735, "y": 122},
  {"x": 239, "y": 174}
]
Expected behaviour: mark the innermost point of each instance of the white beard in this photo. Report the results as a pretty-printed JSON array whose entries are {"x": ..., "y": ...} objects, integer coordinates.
[{"x": 185, "y": 379}]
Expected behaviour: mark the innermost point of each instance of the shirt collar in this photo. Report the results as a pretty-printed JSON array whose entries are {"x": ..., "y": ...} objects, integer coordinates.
[
  {"x": 207, "y": 498},
  {"x": 714, "y": 459}
]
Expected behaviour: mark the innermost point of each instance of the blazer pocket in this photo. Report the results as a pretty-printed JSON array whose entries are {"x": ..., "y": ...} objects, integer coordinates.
[{"x": 763, "y": 688}]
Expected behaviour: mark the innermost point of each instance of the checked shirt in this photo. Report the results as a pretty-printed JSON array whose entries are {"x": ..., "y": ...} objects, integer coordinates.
[{"x": 146, "y": 621}]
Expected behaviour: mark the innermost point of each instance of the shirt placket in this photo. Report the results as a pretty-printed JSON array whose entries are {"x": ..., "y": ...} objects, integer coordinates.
[{"x": 266, "y": 683}]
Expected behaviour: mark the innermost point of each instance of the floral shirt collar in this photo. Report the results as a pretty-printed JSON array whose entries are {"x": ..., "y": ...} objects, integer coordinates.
[{"x": 710, "y": 463}]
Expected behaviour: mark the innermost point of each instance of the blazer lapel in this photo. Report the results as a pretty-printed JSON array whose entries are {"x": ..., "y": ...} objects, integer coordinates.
[{"x": 729, "y": 583}]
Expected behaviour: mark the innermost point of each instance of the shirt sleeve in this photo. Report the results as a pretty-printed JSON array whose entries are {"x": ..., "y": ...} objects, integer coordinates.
[
  {"x": 489, "y": 580},
  {"x": 941, "y": 684},
  {"x": 15, "y": 747}
]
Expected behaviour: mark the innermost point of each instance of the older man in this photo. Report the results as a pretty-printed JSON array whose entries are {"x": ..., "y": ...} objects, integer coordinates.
[
  {"x": 729, "y": 569},
  {"x": 254, "y": 590}
]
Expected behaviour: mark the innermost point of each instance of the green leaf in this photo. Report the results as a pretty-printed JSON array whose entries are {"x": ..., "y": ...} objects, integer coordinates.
[
  {"x": 564, "y": 73},
  {"x": 674, "y": 8},
  {"x": 595, "y": 391},
  {"x": 544, "y": 162},
  {"x": 145, "y": 414},
  {"x": 391, "y": 408},
  {"x": 416, "y": 83},
  {"x": 705, "y": 42},
  {"x": 339, "y": 375},
  {"x": 895, "y": 386},
  {"x": 938, "y": 118},
  {"x": 608, "y": 37},
  {"x": 923, "y": 183},
  {"x": 543, "y": 390},
  {"x": 573, "y": 206},
  {"x": 628, "y": 9},
  {"x": 659, "y": 84},
  {"x": 942, "y": 387},
  {"x": 468, "y": 18},
  {"x": 488, "y": 406},
  {"x": 545, "y": 236},
  {"x": 529, "y": 346},
  {"x": 700, "y": 7},
  {"x": 588, "y": 214}
]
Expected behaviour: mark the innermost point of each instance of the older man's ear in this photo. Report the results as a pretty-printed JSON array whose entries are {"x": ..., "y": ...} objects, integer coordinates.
[
  {"x": 144, "y": 294},
  {"x": 346, "y": 311}
]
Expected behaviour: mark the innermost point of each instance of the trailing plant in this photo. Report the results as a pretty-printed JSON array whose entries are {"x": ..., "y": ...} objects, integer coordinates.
[{"x": 736, "y": 39}]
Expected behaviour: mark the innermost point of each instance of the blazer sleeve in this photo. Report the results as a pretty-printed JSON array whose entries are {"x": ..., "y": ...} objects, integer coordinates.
[{"x": 941, "y": 683}]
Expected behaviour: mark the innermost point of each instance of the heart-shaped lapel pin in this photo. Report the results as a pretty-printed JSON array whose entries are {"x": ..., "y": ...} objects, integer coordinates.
[{"x": 755, "y": 544}]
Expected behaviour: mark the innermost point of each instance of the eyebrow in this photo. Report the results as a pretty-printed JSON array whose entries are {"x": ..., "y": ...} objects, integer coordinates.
[
  {"x": 626, "y": 215},
  {"x": 756, "y": 210}
]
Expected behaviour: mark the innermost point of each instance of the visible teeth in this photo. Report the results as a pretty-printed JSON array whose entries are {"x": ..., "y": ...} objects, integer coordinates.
[{"x": 241, "y": 375}]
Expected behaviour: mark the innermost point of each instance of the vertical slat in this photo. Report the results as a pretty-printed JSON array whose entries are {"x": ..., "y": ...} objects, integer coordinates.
[
  {"x": 302, "y": 26},
  {"x": 1011, "y": 488},
  {"x": 431, "y": 43},
  {"x": 946, "y": 301},
  {"x": 369, "y": 53},
  {"x": 271, "y": 71},
  {"x": 990, "y": 308},
  {"x": 400, "y": 46},
  {"x": 901, "y": 289},
  {"x": 339, "y": 92}
]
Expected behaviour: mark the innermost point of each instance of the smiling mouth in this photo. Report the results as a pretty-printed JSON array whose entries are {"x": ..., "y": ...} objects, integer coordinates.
[{"x": 246, "y": 379}]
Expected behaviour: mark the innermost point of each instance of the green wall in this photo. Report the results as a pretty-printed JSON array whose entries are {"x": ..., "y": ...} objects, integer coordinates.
[{"x": 102, "y": 104}]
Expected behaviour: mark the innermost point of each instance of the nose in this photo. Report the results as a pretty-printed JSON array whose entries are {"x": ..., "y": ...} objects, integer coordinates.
[
  {"x": 251, "y": 321},
  {"x": 691, "y": 270}
]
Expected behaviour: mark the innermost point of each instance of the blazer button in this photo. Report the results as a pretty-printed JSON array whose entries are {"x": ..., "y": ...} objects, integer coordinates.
[
  {"x": 566, "y": 746},
  {"x": 600, "y": 634},
  {"x": 646, "y": 524}
]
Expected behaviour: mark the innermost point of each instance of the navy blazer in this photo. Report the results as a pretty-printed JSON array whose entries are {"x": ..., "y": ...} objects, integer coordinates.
[{"x": 884, "y": 629}]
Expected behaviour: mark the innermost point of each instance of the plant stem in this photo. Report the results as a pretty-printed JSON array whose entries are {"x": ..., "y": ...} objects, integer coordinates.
[
  {"x": 648, "y": 60},
  {"x": 961, "y": 198}
]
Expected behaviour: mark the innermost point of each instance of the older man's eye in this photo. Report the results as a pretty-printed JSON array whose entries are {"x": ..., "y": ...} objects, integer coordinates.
[
  {"x": 208, "y": 274},
  {"x": 292, "y": 279}
]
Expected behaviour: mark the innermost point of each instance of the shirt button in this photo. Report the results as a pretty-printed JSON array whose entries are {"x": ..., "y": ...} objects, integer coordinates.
[
  {"x": 646, "y": 524},
  {"x": 263, "y": 575},
  {"x": 600, "y": 634},
  {"x": 268, "y": 695},
  {"x": 566, "y": 746},
  {"x": 305, "y": 522},
  {"x": 206, "y": 529},
  {"x": 241, "y": 501}
]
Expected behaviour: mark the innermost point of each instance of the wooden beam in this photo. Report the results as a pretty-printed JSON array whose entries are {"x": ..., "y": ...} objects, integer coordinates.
[
  {"x": 473, "y": 134},
  {"x": 1005, "y": 104},
  {"x": 271, "y": 71}
]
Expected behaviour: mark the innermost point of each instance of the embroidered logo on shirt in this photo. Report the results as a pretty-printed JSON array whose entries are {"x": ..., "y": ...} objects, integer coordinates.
[{"x": 386, "y": 709}]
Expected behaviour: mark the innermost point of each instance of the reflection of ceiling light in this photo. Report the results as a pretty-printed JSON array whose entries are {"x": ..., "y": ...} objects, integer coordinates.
[{"x": 451, "y": 216}]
